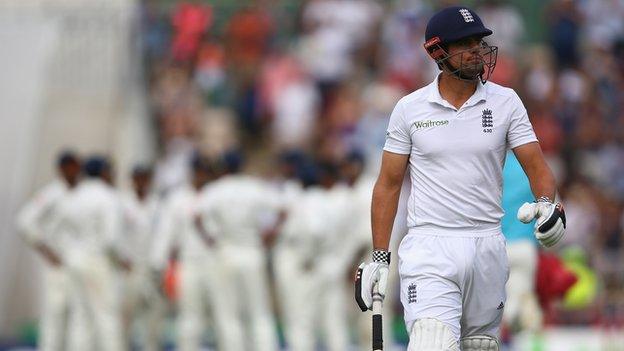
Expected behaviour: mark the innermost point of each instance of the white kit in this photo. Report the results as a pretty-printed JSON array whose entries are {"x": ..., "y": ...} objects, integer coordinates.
[
  {"x": 34, "y": 223},
  {"x": 142, "y": 301},
  {"x": 234, "y": 206},
  {"x": 90, "y": 223},
  {"x": 202, "y": 281},
  {"x": 452, "y": 263}
]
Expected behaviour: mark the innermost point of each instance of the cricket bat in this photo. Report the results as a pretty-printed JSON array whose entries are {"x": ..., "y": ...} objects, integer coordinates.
[{"x": 377, "y": 320}]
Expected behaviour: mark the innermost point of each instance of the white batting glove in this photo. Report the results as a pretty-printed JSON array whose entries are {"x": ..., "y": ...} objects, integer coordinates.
[
  {"x": 551, "y": 221},
  {"x": 369, "y": 274}
]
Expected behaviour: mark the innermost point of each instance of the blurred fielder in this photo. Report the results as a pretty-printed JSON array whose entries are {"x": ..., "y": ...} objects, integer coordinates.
[
  {"x": 359, "y": 244},
  {"x": 234, "y": 205},
  {"x": 90, "y": 223},
  {"x": 335, "y": 257},
  {"x": 522, "y": 311},
  {"x": 142, "y": 300},
  {"x": 34, "y": 223},
  {"x": 202, "y": 281},
  {"x": 294, "y": 254},
  {"x": 454, "y": 134}
]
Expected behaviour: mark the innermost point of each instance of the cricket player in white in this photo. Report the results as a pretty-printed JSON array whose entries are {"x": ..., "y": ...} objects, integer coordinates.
[
  {"x": 522, "y": 311},
  {"x": 294, "y": 254},
  {"x": 335, "y": 257},
  {"x": 142, "y": 301},
  {"x": 359, "y": 244},
  {"x": 294, "y": 264},
  {"x": 203, "y": 285},
  {"x": 235, "y": 204},
  {"x": 34, "y": 223},
  {"x": 454, "y": 134},
  {"x": 90, "y": 222}
]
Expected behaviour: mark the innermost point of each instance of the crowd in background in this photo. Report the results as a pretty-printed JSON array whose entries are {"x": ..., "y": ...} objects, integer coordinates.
[{"x": 322, "y": 76}]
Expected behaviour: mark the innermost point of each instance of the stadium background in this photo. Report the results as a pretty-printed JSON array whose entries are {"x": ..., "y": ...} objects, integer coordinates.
[{"x": 149, "y": 81}]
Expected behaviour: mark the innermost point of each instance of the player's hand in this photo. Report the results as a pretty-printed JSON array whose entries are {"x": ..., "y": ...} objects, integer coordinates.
[
  {"x": 53, "y": 259},
  {"x": 551, "y": 220},
  {"x": 369, "y": 274},
  {"x": 50, "y": 255},
  {"x": 125, "y": 265}
]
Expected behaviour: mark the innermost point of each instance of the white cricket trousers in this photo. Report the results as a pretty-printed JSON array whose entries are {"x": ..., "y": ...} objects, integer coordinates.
[
  {"x": 143, "y": 307},
  {"x": 458, "y": 280},
  {"x": 295, "y": 285},
  {"x": 96, "y": 315},
  {"x": 55, "y": 312},
  {"x": 203, "y": 287},
  {"x": 246, "y": 271},
  {"x": 522, "y": 304},
  {"x": 332, "y": 304}
]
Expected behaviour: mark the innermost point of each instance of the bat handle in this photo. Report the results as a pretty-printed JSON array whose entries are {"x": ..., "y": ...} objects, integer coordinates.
[{"x": 377, "y": 320}]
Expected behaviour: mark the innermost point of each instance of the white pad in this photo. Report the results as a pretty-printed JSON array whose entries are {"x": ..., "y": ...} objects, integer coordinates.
[
  {"x": 430, "y": 334},
  {"x": 479, "y": 343}
]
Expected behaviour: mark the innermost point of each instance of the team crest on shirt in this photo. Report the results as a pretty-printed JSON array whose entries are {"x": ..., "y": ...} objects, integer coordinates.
[{"x": 487, "y": 121}]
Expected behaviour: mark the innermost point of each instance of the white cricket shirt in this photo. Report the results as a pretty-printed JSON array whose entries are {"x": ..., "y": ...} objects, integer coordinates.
[
  {"x": 139, "y": 219},
  {"x": 457, "y": 156},
  {"x": 236, "y": 205},
  {"x": 35, "y": 219},
  {"x": 176, "y": 229},
  {"x": 90, "y": 220}
]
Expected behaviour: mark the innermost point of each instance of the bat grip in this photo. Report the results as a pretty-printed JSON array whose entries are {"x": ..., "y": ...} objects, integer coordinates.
[{"x": 377, "y": 320}]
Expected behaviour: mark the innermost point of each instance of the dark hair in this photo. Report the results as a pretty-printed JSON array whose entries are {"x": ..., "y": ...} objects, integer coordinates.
[
  {"x": 356, "y": 156},
  {"x": 142, "y": 171},
  {"x": 200, "y": 162},
  {"x": 327, "y": 168},
  {"x": 67, "y": 157},
  {"x": 308, "y": 174},
  {"x": 95, "y": 166},
  {"x": 232, "y": 161}
]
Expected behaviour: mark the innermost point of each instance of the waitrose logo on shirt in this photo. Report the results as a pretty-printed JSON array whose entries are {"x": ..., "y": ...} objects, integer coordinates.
[{"x": 430, "y": 123}]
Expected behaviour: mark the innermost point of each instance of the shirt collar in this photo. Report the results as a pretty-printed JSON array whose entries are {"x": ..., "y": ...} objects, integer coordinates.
[{"x": 434, "y": 96}]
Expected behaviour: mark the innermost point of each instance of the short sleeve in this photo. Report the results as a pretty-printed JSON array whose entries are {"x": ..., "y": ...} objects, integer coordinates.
[
  {"x": 397, "y": 135},
  {"x": 520, "y": 130}
]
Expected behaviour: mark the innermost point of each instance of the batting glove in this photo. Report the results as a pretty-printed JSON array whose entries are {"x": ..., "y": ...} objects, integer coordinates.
[
  {"x": 369, "y": 274},
  {"x": 551, "y": 220}
]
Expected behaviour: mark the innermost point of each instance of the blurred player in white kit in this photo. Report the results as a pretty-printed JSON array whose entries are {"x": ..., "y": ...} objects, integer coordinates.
[
  {"x": 334, "y": 256},
  {"x": 361, "y": 186},
  {"x": 293, "y": 255},
  {"x": 90, "y": 224},
  {"x": 142, "y": 301},
  {"x": 34, "y": 223},
  {"x": 203, "y": 285},
  {"x": 453, "y": 135},
  {"x": 234, "y": 206},
  {"x": 302, "y": 285},
  {"x": 522, "y": 311},
  {"x": 358, "y": 244}
]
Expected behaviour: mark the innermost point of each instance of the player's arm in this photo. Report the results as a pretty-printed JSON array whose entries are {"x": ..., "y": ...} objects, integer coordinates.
[
  {"x": 386, "y": 197},
  {"x": 540, "y": 177},
  {"x": 112, "y": 232},
  {"x": 551, "y": 220},
  {"x": 163, "y": 236},
  {"x": 383, "y": 210},
  {"x": 28, "y": 224},
  {"x": 203, "y": 217}
]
